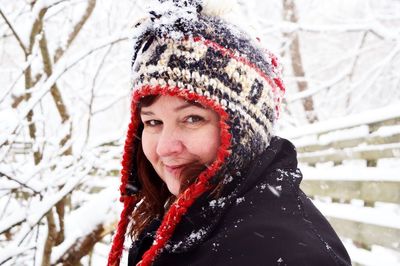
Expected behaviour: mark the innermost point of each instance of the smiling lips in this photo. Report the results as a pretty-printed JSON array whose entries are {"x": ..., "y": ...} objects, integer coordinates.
[{"x": 174, "y": 169}]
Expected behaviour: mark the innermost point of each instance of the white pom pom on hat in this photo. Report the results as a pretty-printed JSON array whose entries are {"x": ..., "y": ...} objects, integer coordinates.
[
  {"x": 218, "y": 8},
  {"x": 230, "y": 11}
]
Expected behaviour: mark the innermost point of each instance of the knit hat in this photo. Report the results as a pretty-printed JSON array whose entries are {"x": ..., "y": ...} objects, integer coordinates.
[{"x": 182, "y": 50}]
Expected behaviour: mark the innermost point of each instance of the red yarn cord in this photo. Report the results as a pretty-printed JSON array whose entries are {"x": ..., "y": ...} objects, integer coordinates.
[
  {"x": 129, "y": 201},
  {"x": 114, "y": 256}
]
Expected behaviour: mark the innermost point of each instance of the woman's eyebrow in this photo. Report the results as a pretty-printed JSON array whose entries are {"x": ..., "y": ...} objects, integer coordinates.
[
  {"x": 146, "y": 112},
  {"x": 181, "y": 107},
  {"x": 189, "y": 104}
]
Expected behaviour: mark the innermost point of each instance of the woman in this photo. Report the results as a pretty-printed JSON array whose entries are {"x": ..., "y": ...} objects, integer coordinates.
[{"x": 204, "y": 181}]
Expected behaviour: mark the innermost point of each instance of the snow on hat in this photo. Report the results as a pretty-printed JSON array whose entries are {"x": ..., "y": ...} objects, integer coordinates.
[{"x": 184, "y": 49}]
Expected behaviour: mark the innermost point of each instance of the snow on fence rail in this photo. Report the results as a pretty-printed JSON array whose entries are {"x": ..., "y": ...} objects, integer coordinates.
[
  {"x": 349, "y": 139},
  {"x": 361, "y": 202},
  {"x": 370, "y": 222}
]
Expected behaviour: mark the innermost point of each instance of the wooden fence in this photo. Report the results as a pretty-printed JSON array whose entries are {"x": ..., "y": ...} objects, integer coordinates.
[{"x": 343, "y": 173}]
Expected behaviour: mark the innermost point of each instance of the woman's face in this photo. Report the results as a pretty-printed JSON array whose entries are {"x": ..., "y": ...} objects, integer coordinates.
[{"x": 177, "y": 133}]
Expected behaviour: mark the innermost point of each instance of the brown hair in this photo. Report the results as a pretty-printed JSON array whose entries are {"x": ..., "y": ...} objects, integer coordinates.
[{"x": 154, "y": 197}]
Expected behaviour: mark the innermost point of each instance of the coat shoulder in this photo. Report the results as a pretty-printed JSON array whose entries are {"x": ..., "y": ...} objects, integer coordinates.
[{"x": 275, "y": 223}]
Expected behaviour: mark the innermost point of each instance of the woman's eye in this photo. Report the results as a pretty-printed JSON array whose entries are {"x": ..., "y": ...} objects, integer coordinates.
[
  {"x": 152, "y": 123},
  {"x": 194, "y": 119}
]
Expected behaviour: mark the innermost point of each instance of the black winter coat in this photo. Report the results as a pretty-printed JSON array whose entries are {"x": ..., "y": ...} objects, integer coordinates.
[{"x": 270, "y": 222}]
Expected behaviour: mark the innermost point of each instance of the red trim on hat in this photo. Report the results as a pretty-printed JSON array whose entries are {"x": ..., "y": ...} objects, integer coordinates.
[{"x": 185, "y": 200}]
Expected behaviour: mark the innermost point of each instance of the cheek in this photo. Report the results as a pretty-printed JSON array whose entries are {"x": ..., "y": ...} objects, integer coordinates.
[
  {"x": 214, "y": 145},
  {"x": 206, "y": 144},
  {"x": 149, "y": 144}
]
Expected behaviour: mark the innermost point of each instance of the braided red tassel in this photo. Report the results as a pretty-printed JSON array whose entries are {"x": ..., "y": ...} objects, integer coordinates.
[{"x": 114, "y": 256}]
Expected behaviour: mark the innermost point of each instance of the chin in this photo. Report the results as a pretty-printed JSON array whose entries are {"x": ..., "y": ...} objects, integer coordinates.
[
  {"x": 173, "y": 189},
  {"x": 174, "y": 192}
]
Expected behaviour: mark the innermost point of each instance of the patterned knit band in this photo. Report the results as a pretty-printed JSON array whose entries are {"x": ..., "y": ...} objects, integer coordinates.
[{"x": 207, "y": 69}]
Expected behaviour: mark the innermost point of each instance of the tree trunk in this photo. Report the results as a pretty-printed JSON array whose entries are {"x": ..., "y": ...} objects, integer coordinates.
[
  {"x": 82, "y": 247},
  {"x": 290, "y": 14}
]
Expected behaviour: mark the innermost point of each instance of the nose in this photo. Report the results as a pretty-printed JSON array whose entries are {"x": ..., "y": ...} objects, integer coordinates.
[{"x": 169, "y": 142}]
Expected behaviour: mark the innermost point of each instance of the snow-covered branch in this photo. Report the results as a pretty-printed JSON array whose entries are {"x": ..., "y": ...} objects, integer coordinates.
[
  {"x": 22, "y": 184},
  {"x": 373, "y": 26},
  {"x": 76, "y": 29},
  {"x": 35, "y": 215},
  {"x": 87, "y": 225},
  {"x": 16, "y": 35},
  {"x": 39, "y": 211},
  {"x": 44, "y": 85}
]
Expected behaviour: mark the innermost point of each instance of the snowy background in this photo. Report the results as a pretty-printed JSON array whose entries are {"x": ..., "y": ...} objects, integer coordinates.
[{"x": 64, "y": 109}]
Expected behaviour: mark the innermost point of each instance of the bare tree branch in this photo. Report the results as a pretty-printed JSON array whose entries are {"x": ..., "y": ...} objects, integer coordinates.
[
  {"x": 36, "y": 247},
  {"x": 83, "y": 245},
  {"x": 372, "y": 75},
  {"x": 8, "y": 91},
  {"x": 21, "y": 44},
  {"x": 92, "y": 95},
  {"x": 35, "y": 216},
  {"x": 375, "y": 28},
  {"x": 50, "y": 240},
  {"x": 55, "y": 92},
  {"x": 60, "y": 209},
  {"x": 80, "y": 245},
  {"x": 36, "y": 28},
  {"x": 35, "y": 192},
  {"x": 354, "y": 64},
  {"x": 15, "y": 252},
  {"x": 314, "y": 90},
  {"x": 46, "y": 84},
  {"x": 77, "y": 28}
]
